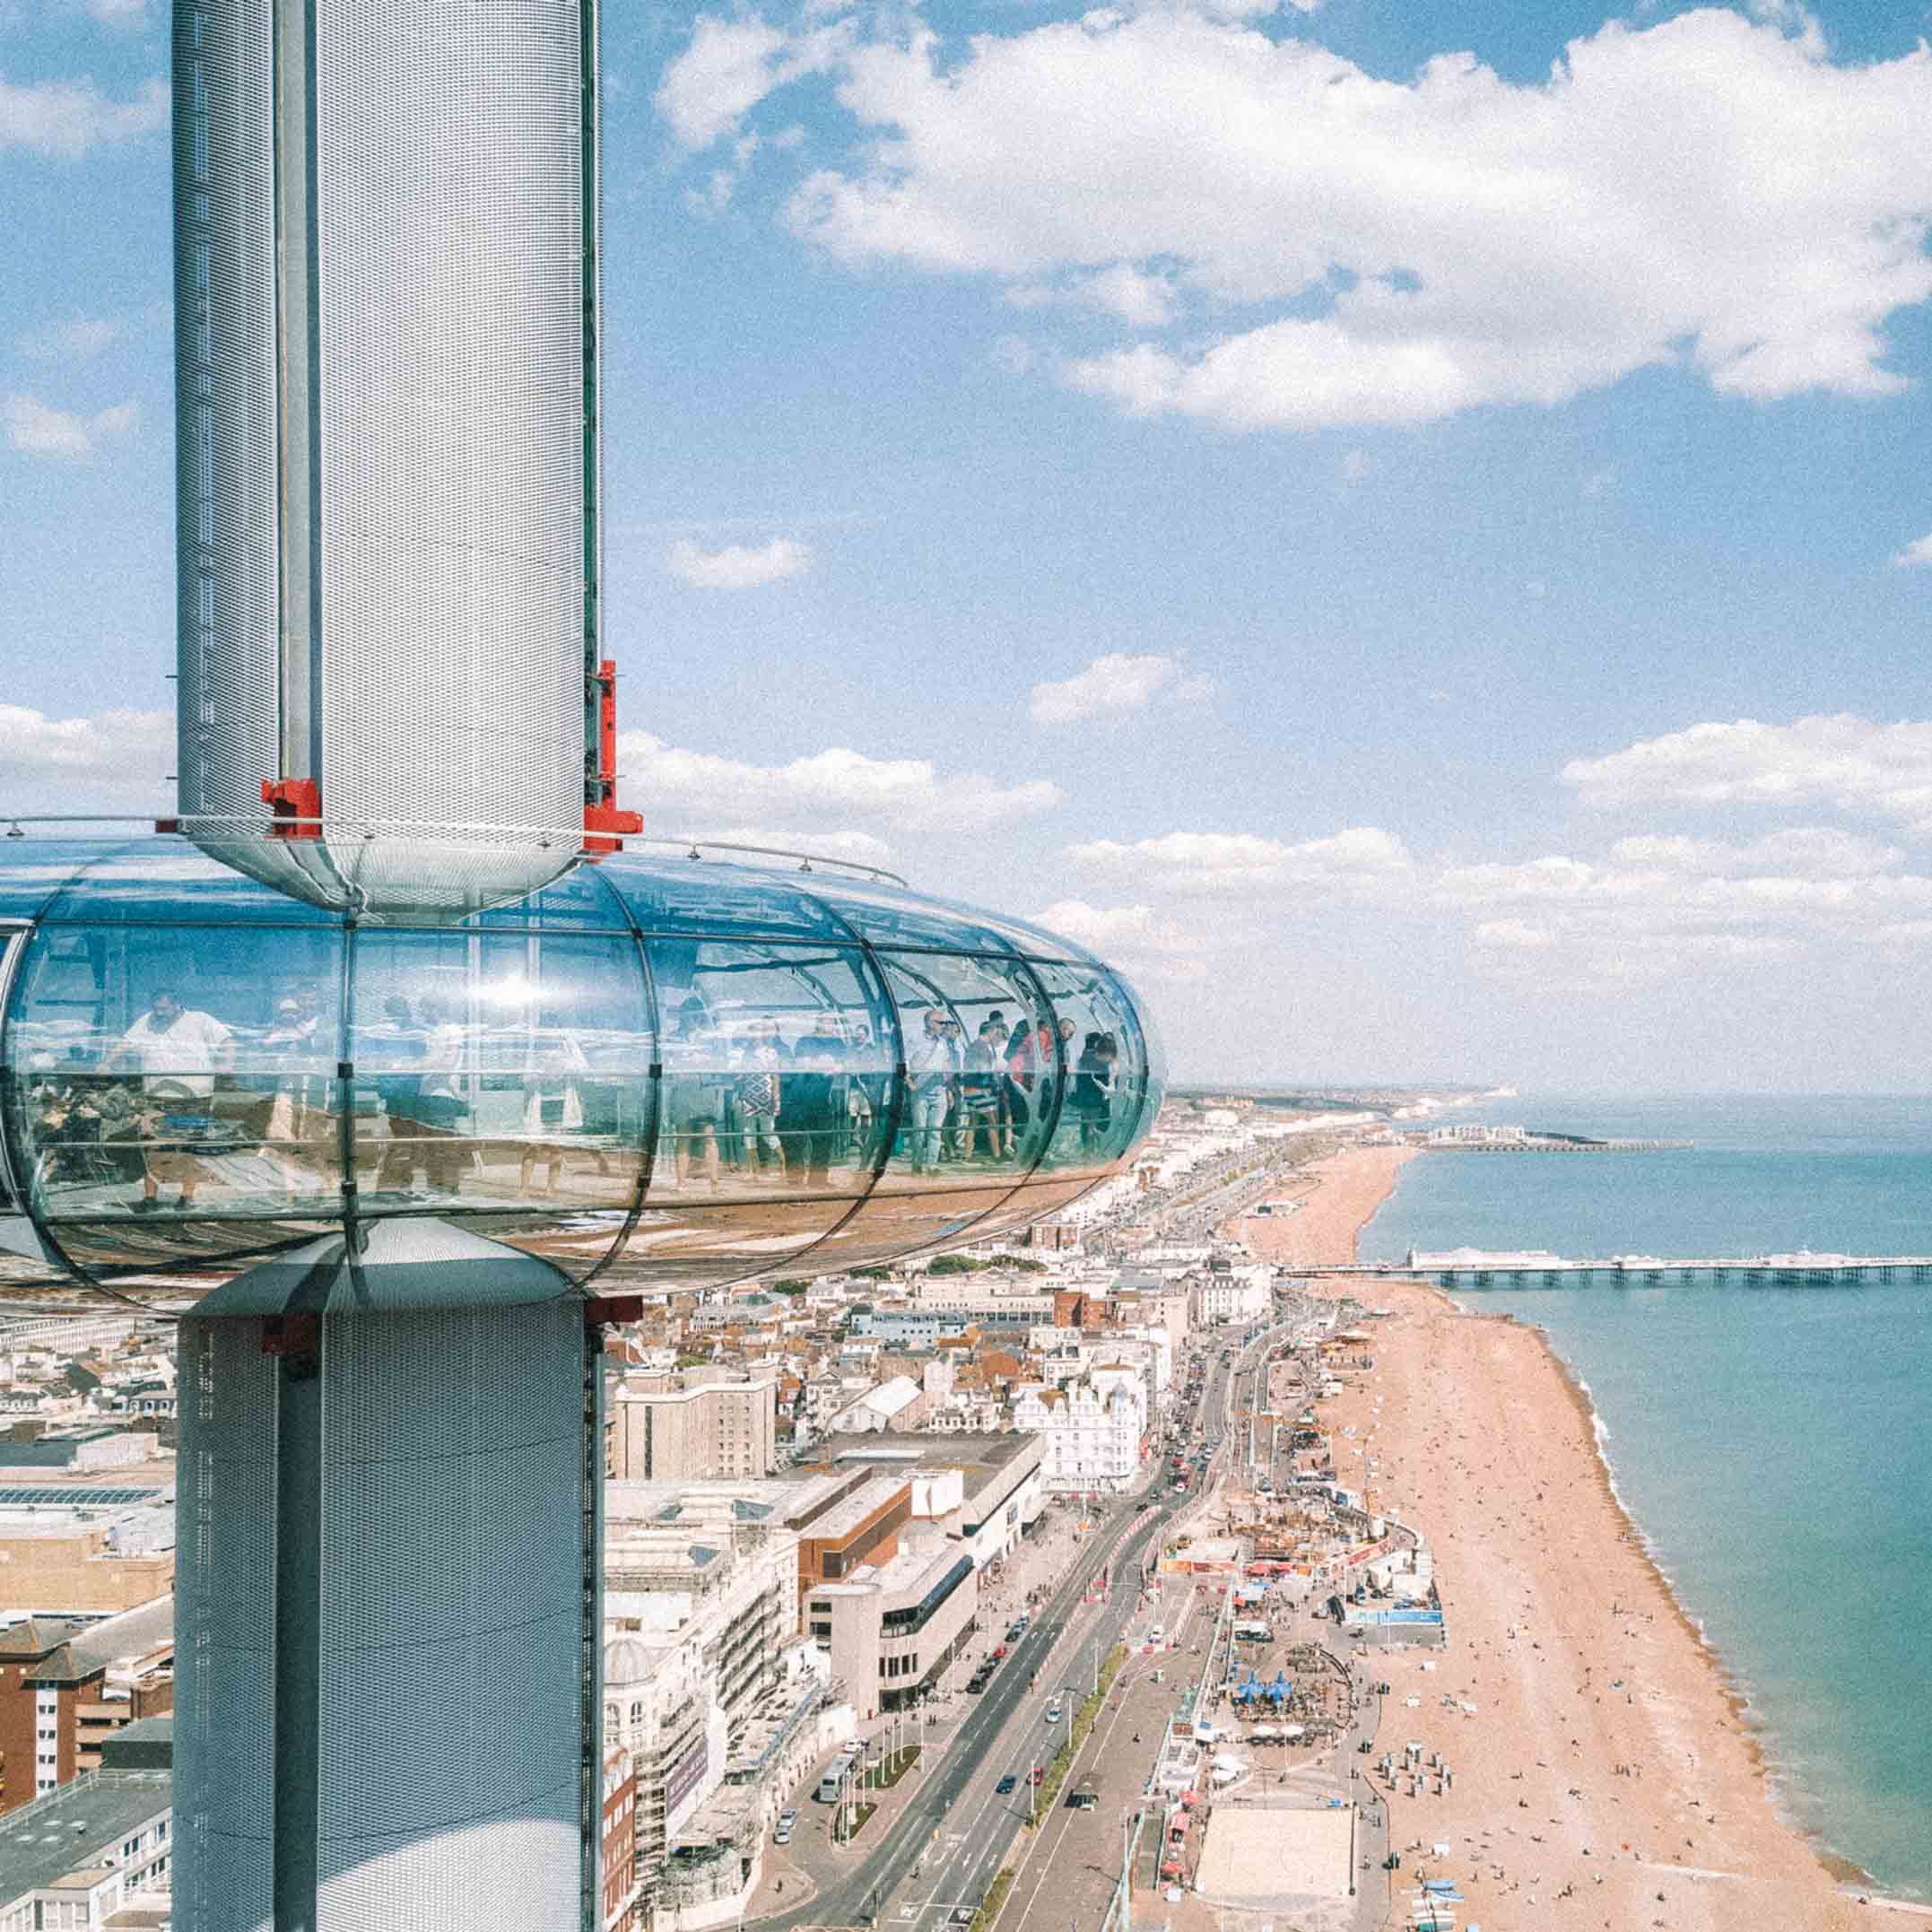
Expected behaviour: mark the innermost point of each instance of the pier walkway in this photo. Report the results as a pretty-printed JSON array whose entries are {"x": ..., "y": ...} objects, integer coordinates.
[{"x": 1471, "y": 1268}]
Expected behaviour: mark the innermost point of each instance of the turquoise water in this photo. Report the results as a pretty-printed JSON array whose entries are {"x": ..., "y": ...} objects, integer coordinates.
[{"x": 1774, "y": 1444}]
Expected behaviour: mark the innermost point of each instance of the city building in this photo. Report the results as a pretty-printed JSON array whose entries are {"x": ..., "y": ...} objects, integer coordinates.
[
  {"x": 690, "y": 1424},
  {"x": 85, "y": 1549},
  {"x": 96, "y": 1853},
  {"x": 891, "y": 1629},
  {"x": 618, "y": 1865},
  {"x": 1091, "y": 1429}
]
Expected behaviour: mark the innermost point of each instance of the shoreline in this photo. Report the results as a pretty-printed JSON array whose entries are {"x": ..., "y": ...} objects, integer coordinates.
[{"x": 1439, "y": 1363}]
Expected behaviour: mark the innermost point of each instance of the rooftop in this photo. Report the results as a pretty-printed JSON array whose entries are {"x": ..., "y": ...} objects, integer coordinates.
[{"x": 71, "y": 1826}]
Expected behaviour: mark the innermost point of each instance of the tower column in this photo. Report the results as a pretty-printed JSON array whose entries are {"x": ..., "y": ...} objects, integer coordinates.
[{"x": 382, "y": 1611}]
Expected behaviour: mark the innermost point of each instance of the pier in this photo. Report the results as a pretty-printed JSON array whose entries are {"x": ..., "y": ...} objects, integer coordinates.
[{"x": 1472, "y": 1268}]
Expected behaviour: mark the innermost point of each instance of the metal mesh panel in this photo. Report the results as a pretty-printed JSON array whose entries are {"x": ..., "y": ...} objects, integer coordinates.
[
  {"x": 225, "y": 403},
  {"x": 449, "y": 169},
  {"x": 452, "y": 1607},
  {"x": 527, "y": 1861},
  {"x": 224, "y": 1627}
]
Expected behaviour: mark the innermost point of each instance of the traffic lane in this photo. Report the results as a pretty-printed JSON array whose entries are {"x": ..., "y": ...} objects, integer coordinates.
[{"x": 887, "y": 1865}]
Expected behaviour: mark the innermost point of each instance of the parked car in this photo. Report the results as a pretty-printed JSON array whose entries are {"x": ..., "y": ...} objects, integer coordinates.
[{"x": 783, "y": 1835}]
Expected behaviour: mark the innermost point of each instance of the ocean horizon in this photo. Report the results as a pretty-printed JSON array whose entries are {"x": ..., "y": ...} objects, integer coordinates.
[{"x": 1770, "y": 1443}]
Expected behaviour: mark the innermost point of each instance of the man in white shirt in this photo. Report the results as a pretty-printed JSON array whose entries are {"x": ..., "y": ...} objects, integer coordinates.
[
  {"x": 932, "y": 1059},
  {"x": 179, "y": 1051}
]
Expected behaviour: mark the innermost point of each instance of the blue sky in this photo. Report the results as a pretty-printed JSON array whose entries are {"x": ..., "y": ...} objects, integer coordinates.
[{"x": 1409, "y": 527}]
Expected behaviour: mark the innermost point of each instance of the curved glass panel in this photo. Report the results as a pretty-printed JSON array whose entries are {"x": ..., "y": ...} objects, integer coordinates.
[
  {"x": 33, "y": 870},
  {"x": 888, "y": 917},
  {"x": 888, "y": 1225},
  {"x": 582, "y": 901},
  {"x": 674, "y": 895},
  {"x": 170, "y": 880},
  {"x": 1102, "y": 1071},
  {"x": 499, "y": 1071},
  {"x": 711, "y": 1246},
  {"x": 975, "y": 1030},
  {"x": 777, "y": 1068},
  {"x": 177, "y": 1071}
]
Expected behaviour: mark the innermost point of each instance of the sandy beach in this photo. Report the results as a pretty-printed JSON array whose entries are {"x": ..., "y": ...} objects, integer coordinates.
[{"x": 1603, "y": 1774}]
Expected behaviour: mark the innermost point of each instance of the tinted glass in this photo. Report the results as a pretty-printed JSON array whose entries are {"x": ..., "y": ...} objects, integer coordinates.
[
  {"x": 975, "y": 1031},
  {"x": 185, "y": 1071},
  {"x": 674, "y": 895},
  {"x": 888, "y": 917},
  {"x": 895, "y": 1223},
  {"x": 1102, "y": 1066},
  {"x": 170, "y": 880},
  {"x": 711, "y": 1245},
  {"x": 582, "y": 900},
  {"x": 777, "y": 1068},
  {"x": 33, "y": 870},
  {"x": 496, "y": 1071}
]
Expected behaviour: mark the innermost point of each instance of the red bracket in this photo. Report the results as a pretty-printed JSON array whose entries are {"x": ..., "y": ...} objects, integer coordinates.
[
  {"x": 292, "y": 799},
  {"x": 604, "y": 824},
  {"x": 290, "y": 1335},
  {"x": 600, "y": 1311}
]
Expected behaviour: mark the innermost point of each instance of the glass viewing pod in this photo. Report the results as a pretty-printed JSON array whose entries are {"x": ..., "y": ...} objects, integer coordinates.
[{"x": 655, "y": 1071}]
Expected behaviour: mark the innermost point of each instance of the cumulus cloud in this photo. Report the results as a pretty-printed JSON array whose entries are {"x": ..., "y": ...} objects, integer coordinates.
[
  {"x": 738, "y": 565},
  {"x": 1427, "y": 245},
  {"x": 1915, "y": 555},
  {"x": 37, "y": 431},
  {"x": 1115, "y": 682},
  {"x": 1362, "y": 857},
  {"x": 1856, "y": 766},
  {"x": 699, "y": 789},
  {"x": 63, "y": 120},
  {"x": 1660, "y": 905},
  {"x": 729, "y": 67},
  {"x": 1137, "y": 938},
  {"x": 128, "y": 752},
  {"x": 77, "y": 339}
]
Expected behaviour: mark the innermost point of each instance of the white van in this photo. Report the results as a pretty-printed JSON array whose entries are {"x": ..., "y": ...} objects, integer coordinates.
[
  {"x": 828, "y": 1788},
  {"x": 1158, "y": 1634}
]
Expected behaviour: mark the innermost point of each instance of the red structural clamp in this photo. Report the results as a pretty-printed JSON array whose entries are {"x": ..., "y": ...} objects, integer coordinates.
[
  {"x": 291, "y": 800},
  {"x": 604, "y": 824}
]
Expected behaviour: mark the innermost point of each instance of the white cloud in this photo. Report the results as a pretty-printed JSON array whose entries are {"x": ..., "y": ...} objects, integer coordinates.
[
  {"x": 1517, "y": 935},
  {"x": 1012, "y": 355},
  {"x": 117, "y": 12},
  {"x": 1356, "y": 467},
  {"x": 1851, "y": 763},
  {"x": 65, "y": 120},
  {"x": 37, "y": 431},
  {"x": 1711, "y": 191},
  {"x": 1116, "y": 683},
  {"x": 78, "y": 339},
  {"x": 1917, "y": 555},
  {"x": 125, "y": 749},
  {"x": 1135, "y": 937},
  {"x": 730, "y": 66},
  {"x": 1362, "y": 857},
  {"x": 738, "y": 565},
  {"x": 699, "y": 789}
]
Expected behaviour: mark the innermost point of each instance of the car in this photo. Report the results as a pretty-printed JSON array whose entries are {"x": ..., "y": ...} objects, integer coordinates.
[
  {"x": 1158, "y": 1634},
  {"x": 1006, "y": 1784},
  {"x": 1053, "y": 1711},
  {"x": 1037, "y": 1775},
  {"x": 783, "y": 1835},
  {"x": 788, "y": 1817}
]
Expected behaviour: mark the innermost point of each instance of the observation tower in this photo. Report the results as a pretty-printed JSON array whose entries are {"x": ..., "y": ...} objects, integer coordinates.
[{"x": 385, "y": 1067}]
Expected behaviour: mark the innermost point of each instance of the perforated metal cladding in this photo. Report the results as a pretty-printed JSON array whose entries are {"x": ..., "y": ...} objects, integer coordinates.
[
  {"x": 226, "y": 566},
  {"x": 224, "y": 1627},
  {"x": 451, "y": 1615},
  {"x": 450, "y": 218},
  {"x": 497, "y": 1874}
]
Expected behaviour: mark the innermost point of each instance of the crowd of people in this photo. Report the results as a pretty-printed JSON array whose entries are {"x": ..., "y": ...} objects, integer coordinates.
[{"x": 181, "y": 1090}]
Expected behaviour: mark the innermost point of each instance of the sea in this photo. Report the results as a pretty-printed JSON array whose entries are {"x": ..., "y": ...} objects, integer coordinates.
[{"x": 1773, "y": 1444}]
